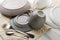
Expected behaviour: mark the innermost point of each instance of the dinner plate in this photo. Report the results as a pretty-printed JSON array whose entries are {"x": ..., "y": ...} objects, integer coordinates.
[
  {"x": 52, "y": 34},
  {"x": 14, "y": 7},
  {"x": 53, "y": 16}
]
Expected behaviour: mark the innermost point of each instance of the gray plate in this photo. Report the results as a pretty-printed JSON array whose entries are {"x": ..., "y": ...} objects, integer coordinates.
[{"x": 24, "y": 29}]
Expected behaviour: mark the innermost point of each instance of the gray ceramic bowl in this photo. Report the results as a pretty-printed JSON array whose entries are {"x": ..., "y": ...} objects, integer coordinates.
[{"x": 14, "y": 7}]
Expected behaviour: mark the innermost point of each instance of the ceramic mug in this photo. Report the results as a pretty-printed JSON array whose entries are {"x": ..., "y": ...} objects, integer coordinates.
[{"x": 37, "y": 19}]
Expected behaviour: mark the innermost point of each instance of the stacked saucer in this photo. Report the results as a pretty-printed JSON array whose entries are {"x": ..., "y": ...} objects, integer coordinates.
[{"x": 20, "y": 23}]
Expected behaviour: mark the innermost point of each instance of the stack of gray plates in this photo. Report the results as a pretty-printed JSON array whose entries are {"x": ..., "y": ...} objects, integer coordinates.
[
  {"x": 14, "y": 7},
  {"x": 20, "y": 23}
]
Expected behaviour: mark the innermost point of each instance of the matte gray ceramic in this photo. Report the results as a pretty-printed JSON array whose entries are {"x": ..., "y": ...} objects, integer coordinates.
[
  {"x": 37, "y": 19},
  {"x": 20, "y": 23}
]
